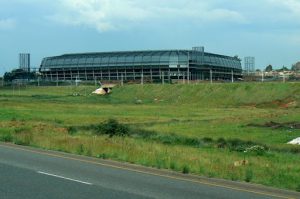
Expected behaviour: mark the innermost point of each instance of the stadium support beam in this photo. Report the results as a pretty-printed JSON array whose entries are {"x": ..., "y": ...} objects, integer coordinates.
[
  {"x": 142, "y": 77},
  {"x": 169, "y": 75}
]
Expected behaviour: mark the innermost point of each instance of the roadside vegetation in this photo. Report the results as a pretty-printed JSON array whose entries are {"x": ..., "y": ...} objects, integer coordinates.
[{"x": 232, "y": 131}]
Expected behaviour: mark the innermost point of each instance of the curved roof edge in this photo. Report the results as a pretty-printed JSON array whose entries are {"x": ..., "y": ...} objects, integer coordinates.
[{"x": 136, "y": 51}]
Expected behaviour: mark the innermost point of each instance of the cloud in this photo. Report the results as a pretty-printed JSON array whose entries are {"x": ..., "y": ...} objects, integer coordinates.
[
  {"x": 286, "y": 10},
  {"x": 7, "y": 24},
  {"x": 105, "y": 15}
]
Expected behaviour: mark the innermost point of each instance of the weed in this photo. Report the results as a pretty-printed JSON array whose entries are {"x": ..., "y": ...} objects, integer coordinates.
[
  {"x": 298, "y": 188},
  {"x": 185, "y": 169},
  {"x": 24, "y": 140},
  {"x": 248, "y": 175},
  {"x": 80, "y": 149},
  {"x": 88, "y": 152},
  {"x": 58, "y": 121},
  {"x": 102, "y": 156},
  {"x": 22, "y": 130},
  {"x": 72, "y": 130},
  {"x": 6, "y": 137},
  {"x": 173, "y": 165}
]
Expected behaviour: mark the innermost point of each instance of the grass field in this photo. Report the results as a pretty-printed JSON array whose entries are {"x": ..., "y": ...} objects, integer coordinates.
[{"x": 231, "y": 131}]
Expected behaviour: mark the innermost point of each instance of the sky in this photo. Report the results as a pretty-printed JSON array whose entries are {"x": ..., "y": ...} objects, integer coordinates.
[{"x": 269, "y": 30}]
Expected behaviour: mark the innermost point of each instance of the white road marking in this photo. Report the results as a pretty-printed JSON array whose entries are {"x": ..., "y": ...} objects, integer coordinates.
[{"x": 57, "y": 176}]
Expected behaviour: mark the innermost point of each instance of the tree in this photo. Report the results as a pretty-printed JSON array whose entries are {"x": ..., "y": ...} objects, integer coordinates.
[
  {"x": 18, "y": 74},
  {"x": 283, "y": 69},
  {"x": 296, "y": 66},
  {"x": 269, "y": 68}
]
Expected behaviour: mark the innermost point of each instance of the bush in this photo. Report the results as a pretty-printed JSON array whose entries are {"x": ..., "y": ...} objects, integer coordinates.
[{"x": 112, "y": 128}]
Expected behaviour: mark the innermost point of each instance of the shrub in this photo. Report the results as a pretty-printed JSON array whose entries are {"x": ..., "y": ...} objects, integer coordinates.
[
  {"x": 221, "y": 143},
  {"x": 207, "y": 140},
  {"x": 173, "y": 165},
  {"x": 257, "y": 150},
  {"x": 185, "y": 169},
  {"x": 192, "y": 142}
]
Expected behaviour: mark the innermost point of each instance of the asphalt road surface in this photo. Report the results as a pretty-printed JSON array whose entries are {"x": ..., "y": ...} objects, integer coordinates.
[{"x": 27, "y": 173}]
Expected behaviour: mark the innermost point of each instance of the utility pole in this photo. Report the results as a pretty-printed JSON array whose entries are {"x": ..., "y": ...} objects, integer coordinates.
[
  {"x": 188, "y": 68},
  {"x": 262, "y": 76},
  {"x": 232, "y": 80},
  {"x": 211, "y": 76}
]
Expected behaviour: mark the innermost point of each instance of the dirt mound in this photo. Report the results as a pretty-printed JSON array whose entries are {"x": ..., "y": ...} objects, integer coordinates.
[{"x": 284, "y": 103}]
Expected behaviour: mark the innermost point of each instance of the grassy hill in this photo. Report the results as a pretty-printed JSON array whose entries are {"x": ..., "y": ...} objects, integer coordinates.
[
  {"x": 210, "y": 95},
  {"x": 200, "y": 128}
]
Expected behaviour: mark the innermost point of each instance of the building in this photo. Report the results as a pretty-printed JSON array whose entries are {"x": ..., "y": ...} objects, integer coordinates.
[
  {"x": 24, "y": 61},
  {"x": 149, "y": 65},
  {"x": 249, "y": 65}
]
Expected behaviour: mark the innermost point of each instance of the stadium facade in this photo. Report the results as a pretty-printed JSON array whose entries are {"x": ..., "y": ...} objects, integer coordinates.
[{"x": 149, "y": 65}]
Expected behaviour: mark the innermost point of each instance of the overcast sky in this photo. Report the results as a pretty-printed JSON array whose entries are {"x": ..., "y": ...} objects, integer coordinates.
[{"x": 269, "y": 30}]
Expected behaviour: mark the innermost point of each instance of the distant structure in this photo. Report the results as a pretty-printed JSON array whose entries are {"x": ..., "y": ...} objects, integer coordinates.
[
  {"x": 148, "y": 65},
  {"x": 24, "y": 61},
  {"x": 249, "y": 67}
]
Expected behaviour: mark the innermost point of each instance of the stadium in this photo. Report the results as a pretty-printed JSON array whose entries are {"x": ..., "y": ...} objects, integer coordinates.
[{"x": 149, "y": 65}]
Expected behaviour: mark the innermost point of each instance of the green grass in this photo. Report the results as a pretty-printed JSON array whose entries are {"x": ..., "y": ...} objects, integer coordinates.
[{"x": 174, "y": 127}]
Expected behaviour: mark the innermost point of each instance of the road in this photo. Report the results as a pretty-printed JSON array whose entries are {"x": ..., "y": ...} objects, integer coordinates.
[{"x": 38, "y": 174}]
